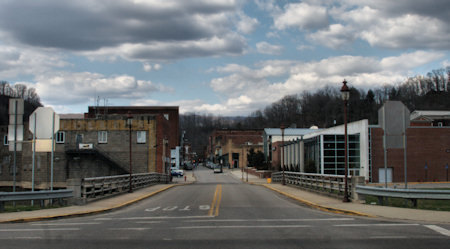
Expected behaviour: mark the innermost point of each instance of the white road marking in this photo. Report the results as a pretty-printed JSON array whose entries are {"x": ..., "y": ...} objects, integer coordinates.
[
  {"x": 388, "y": 237},
  {"x": 272, "y": 226},
  {"x": 157, "y": 217},
  {"x": 152, "y": 209},
  {"x": 149, "y": 222},
  {"x": 170, "y": 208},
  {"x": 130, "y": 229},
  {"x": 439, "y": 229},
  {"x": 204, "y": 207},
  {"x": 375, "y": 225},
  {"x": 37, "y": 229},
  {"x": 65, "y": 224},
  {"x": 270, "y": 220},
  {"x": 187, "y": 208},
  {"x": 28, "y": 237}
]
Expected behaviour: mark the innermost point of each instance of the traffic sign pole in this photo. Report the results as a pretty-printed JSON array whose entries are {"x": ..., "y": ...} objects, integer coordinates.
[
  {"x": 34, "y": 156},
  {"x": 53, "y": 149},
  {"x": 15, "y": 147}
]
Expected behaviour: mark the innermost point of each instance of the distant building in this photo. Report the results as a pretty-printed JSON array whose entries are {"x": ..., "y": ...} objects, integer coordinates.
[
  {"x": 272, "y": 140},
  {"x": 430, "y": 118},
  {"x": 230, "y": 147},
  {"x": 92, "y": 145}
]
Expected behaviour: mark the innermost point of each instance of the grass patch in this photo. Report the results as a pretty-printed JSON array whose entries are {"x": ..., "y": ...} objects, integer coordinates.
[
  {"x": 21, "y": 207},
  {"x": 438, "y": 205}
]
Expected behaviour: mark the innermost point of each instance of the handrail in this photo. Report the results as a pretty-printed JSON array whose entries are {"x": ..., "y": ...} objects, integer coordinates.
[
  {"x": 331, "y": 184},
  {"x": 93, "y": 187}
]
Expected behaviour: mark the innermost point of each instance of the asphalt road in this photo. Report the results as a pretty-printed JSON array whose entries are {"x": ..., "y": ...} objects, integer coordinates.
[{"x": 219, "y": 211}]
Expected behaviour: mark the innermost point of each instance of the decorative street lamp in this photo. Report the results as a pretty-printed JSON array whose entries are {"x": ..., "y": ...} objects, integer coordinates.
[
  {"x": 283, "y": 180},
  {"x": 129, "y": 123},
  {"x": 247, "y": 143},
  {"x": 345, "y": 94}
]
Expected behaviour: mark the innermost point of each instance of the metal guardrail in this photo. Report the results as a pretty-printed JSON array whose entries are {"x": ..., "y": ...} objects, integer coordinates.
[
  {"x": 411, "y": 194},
  {"x": 333, "y": 184},
  {"x": 98, "y": 186},
  {"x": 34, "y": 195}
]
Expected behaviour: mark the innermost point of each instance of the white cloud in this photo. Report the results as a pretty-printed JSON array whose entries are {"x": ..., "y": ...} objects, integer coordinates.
[
  {"x": 267, "y": 48},
  {"x": 78, "y": 88},
  {"x": 402, "y": 24},
  {"x": 157, "y": 67},
  {"x": 409, "y": 31},
  {"x": 304, "y": 47},
  {"x": 409, "y": 61},
  {"x": 228, "y": 45},
  {"x": 147, "y": 67},
  {"x": 246, "y": 24},
  {"x": 269, "y": 81},
  {"x": 335, "y": 36},
  {"x": 17, "y": 61},
  {"x": 302, "y": 16}
]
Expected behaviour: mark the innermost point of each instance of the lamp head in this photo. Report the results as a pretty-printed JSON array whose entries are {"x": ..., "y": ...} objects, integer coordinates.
[{"x": 345, "y": 91}]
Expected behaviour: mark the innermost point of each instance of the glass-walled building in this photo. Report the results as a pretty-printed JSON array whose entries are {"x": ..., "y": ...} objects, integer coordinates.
[{"x": 324, "y": 150}]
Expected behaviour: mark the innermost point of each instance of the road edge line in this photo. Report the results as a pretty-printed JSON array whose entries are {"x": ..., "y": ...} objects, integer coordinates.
[{"x": 317, "y": 206}]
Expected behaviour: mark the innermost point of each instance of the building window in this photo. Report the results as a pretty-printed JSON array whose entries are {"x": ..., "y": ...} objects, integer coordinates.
[
  {"x": 5, "y": 140},
  {"x": 141, "y": 137},
  {"x": 102, "y": 137},
  {"x": 166, "y": 116},
  {"x": 60, "y": 137}
]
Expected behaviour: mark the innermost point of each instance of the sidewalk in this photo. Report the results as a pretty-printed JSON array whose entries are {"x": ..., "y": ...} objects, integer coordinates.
[
  {"x": 335, "y": 205},
  {"x": 99, "y": 206}
]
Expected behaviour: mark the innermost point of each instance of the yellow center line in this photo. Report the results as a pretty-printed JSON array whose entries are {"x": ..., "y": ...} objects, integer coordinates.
[
  {"x": 219, "y": 198},
  {"x": 216, "y": 201}
]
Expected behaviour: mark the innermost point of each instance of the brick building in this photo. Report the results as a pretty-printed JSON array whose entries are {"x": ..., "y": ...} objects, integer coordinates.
[
  {"x": 232, "y": 146},
  {"x": 97, "y": 145}
]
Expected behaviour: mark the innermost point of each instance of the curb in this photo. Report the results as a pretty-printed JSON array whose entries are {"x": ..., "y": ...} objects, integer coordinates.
[
  {"x": 76, "y": 214},
  {"x": 317, "y": 206}
]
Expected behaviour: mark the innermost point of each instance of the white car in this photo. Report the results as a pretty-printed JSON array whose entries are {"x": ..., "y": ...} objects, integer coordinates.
[
  {"x": 217, "y": 169},
  {"x": 176, "y": 172}
]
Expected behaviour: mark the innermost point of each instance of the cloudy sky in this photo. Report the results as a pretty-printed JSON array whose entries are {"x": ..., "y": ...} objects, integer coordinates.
[{"x": 227, "y": 57}]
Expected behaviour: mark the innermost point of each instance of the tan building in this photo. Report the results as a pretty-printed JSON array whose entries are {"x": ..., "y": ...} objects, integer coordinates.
[
  {"x": 230, "y": 147},
  {"x": 97, "y": 146}
]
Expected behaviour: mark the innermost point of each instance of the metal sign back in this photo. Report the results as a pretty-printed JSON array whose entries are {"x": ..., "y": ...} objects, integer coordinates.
[{"x": 43, "y": 117}]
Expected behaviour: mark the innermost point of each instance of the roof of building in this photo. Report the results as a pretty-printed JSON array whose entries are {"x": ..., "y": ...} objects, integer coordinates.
[
  {"x": 419, "y": 115},
  {"x": 136, "y": 107},
  {"x": 289, "y": 131},
  {"x": 71, "y": 116}
]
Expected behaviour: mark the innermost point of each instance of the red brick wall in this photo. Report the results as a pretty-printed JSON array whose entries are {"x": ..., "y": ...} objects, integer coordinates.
[{"x": 429, "y": 146}]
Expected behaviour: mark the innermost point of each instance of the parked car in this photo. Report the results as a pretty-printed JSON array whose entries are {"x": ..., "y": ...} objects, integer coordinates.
[
  {"x": 217, "y": 169},
  {"x": 176, "y": 172},
  {"x": 188, "y": 166}
]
